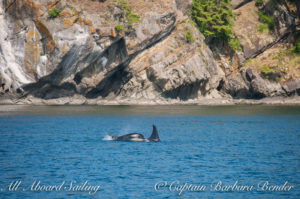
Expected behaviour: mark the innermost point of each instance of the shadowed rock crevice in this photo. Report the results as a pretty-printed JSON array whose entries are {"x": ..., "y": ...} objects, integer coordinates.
[
  {"x": 65, "y": 68},
  {"x": 49, "y": 91},
  {"x": 116, "y": 53},
  {"x": 188, "y": 91},
  {"x": 111, "y": 85},
  {"x": 236, "y": 4},
  {"x": 112, "y": 63},
  {"x": 235, "y": 87},
  {"x": 70, "y": 63}
]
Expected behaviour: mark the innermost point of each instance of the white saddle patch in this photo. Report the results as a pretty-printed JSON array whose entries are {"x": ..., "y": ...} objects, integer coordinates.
[{"x": 137, "y": 140}]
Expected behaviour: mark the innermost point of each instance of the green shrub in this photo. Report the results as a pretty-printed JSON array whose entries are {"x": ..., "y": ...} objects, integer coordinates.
[
  {"x": 265, "y": 69},
  {"x": 189, "y": 36},
  {"x": 235, "y": 44},
  {"x": 269, "y": 20},
  {"x": 132, "y": 18},
  {"x": 262, "y": 27},
  {"x": 120, "y": 28},
  {"x": 297, "y": 46},
  {"x": 259, "y": 2},
  {"x": 128, "y": 14},
  {"x": 54, "y": 12},
  {"x": 265, "y": 72}
]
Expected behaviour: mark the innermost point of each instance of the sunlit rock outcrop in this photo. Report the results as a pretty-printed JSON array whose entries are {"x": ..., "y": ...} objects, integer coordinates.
[{"x": 139, "y": 50}]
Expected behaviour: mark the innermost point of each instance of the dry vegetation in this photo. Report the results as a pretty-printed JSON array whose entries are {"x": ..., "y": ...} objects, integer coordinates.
[{"x": 281, "y": 58}]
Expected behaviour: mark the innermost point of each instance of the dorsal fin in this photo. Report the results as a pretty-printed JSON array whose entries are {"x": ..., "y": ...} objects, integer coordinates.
[{"x": 154, "y": 136}]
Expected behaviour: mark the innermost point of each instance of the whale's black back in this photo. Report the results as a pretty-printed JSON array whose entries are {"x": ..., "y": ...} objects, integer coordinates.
[
  {"x": 131, "y": 136},
  {"x": 139, "y": 137}
]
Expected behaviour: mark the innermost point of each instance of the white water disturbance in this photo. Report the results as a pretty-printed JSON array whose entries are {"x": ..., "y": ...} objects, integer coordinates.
[
  {"x": 107, "y": 138},
  {"x": 12, "y": 73}
]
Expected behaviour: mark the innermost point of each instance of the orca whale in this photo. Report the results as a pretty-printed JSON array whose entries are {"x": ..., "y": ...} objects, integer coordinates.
[{"x": 137, "y": 137}]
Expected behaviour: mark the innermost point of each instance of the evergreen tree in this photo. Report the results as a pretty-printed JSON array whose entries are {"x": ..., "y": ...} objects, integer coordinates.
[{"x": 213, "y": 17}]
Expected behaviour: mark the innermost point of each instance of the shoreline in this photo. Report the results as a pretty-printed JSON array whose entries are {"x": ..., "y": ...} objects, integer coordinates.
[{"x": 79, "y": 100}]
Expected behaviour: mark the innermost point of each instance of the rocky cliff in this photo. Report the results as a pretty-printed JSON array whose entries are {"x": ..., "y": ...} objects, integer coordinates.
[{"x": 143, "y": 50}]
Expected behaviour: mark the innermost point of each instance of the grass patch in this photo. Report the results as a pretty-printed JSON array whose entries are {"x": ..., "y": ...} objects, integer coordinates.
[
  {"x": 294, "y": 51},
  {"x": 54, "y": 12},
  {"x": 119, "y": 28},
  {"x": 259, "y": 2},
  {"x": 297, "y": 46},
  {"x": 128, "y": 16},
  {"x": 268, "y": 20},
  {"x": 201, "y": 53},
  {"x": 189, "y": 36},
  {"x": 282, "y": 59},
  {"x": 247, "y": 62},
  {"x": 266, "y": 69},
  {"x": 262, "y": 27},
  {"x": 235, "y": 44}
]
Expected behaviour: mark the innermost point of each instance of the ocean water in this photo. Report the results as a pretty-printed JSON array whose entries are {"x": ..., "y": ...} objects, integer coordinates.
[{"x": 205, "y": 152}]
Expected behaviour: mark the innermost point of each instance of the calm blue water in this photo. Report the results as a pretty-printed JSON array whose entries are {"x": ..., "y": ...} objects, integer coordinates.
[{"x": 200, "y": 146}]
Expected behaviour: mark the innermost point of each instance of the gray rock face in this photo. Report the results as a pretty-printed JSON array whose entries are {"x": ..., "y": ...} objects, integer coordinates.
[
  {"x": 75, "y": 52},
  {"x": 284, "y": 19},
  {"x": 237, "y": 88},
  {"x": 292, "y": 87},
  {"x": 82, "y": 54},
  {"x": 251, "y": 85},
  {"x": 183, "y": 81},
  {"x": 184, "y": 5},
  {"x": 11, "y": 48},
  {"x": 260, "y": 87},
  {"x": 174, "y": 68},
  {"x": 273, "y": 75}
]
